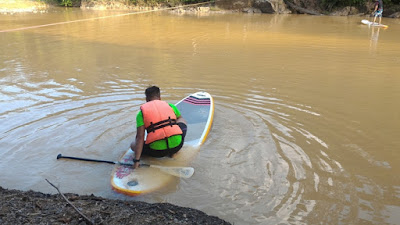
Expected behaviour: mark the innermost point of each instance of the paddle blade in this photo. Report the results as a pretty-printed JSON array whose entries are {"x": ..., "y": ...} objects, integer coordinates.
[{"x": 185, "y": 172}]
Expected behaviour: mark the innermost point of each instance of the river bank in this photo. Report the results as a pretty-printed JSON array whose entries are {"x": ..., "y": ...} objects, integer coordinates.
[
  {"x": 19, "y": 207},
  {"x": 218, "y": 6}
]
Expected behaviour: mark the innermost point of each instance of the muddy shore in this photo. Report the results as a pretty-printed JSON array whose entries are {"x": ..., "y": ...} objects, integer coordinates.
[{"x": 19, "y": 207}]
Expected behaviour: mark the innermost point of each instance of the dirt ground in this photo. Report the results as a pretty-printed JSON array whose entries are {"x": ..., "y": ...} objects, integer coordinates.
[{"x": 18, "y": 207}]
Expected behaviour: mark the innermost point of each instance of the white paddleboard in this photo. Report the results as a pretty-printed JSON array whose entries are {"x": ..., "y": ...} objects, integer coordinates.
[
  {"x": 370, "y": 23},
  {"x": 198, "y": 110}
]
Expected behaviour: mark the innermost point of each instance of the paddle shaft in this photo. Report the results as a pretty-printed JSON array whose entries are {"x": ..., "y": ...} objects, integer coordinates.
[
  {"x": 185, "y": 172},
  {"x": 96, "y": 160}
]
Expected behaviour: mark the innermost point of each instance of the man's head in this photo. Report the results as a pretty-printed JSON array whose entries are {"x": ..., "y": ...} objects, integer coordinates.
[{"x": 152, "y": 93}]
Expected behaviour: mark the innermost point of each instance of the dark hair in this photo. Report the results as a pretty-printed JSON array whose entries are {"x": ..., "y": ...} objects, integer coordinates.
[{"x": 152, "y": 92}]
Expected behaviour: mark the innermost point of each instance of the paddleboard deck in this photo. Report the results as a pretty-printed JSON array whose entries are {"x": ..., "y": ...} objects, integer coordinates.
[
  {"x": 198, "y": 111},
  {"x": 369, "y": 23}
]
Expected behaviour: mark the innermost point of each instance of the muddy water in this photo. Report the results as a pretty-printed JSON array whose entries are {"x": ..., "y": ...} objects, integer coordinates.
[{"x": 306, "y": 123}]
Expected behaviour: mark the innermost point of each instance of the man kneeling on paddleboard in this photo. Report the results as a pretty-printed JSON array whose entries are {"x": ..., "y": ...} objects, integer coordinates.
[{"x": 166, "y": 129}]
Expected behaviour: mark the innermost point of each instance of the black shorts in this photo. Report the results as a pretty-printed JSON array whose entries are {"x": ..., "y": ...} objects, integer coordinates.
[{"x": 168, "y": 152}]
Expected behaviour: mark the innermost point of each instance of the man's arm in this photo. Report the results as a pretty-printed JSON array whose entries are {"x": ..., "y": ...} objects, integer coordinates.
[
  {"x": 139, "y": 144},
  {"x": 180, "y": 119}
]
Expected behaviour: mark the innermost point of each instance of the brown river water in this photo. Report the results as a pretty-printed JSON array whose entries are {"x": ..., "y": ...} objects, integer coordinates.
[{"x": 307, "y": 110}]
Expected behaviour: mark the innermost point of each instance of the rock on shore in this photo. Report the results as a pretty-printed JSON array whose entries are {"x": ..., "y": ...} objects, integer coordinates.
[{"x": 18, "y": 207}]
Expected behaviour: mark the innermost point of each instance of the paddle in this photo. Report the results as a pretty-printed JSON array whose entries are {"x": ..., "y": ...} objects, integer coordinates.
[{"x": 185, "y": 172}]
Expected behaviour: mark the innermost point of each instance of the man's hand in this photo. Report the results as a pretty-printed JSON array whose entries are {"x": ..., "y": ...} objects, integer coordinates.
[
  {"x": 136, "y": 163},
  {"x": 138, "y": 146}
]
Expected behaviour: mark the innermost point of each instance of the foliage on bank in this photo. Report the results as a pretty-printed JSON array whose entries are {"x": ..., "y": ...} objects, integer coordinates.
[
  {"x": 326, "y": 4},
  {"x": 332, "y": 4},
  {"x": 317, "y": 7},
  {"x": 72, "y": 3}
]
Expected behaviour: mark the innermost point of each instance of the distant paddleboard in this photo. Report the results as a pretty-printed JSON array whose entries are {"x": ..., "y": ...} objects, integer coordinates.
[
  {"x": 198, "y": 110},
  {"x": 369, "y": 23}
]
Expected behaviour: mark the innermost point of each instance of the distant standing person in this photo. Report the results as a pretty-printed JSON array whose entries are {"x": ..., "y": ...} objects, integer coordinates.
[{"x": 378, "y": 10}]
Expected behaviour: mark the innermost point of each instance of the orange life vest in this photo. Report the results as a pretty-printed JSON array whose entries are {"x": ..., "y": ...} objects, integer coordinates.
[{"x": 159, "y": 120}]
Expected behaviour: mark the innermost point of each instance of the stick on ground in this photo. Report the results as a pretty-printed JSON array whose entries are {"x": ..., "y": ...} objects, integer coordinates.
[{"x": 76, "y": 209}]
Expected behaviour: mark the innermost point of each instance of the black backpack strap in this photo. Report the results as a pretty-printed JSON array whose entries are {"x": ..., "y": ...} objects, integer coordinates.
[{"x": 161, "y": 124}]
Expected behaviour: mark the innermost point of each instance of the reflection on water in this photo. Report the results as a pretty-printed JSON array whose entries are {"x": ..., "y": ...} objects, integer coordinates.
[
  {"x": 305, "y": 128},
  {"x": 374, "y": 38}
]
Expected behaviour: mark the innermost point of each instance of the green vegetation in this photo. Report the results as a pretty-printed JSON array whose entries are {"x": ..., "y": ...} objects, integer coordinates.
[
  {"x": 66, "y": 2},
  {"x": 154, "y": 2},
  {"x": 69, "y": 2},
  {"x": 326, "y": 5},
  {"x": 135, "y": 2},
  {"x": 61, "y": 2},
  {"x": 331, "y": 4},
  {"x": 166, "y": 2}
]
